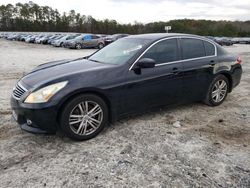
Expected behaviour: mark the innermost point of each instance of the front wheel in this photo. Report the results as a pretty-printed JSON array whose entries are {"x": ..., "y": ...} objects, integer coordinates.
[
  {"x": 100, "y": 45},
  {"x": 84, "y": 117},
  {"x": 218, "y": 91}
]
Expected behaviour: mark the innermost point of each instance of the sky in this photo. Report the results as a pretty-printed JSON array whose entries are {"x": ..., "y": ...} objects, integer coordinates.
[{"x": 145, "y": 11}]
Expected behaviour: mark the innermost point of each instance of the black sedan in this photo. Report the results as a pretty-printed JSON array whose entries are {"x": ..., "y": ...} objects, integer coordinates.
[{"x": 128, "y": 76}]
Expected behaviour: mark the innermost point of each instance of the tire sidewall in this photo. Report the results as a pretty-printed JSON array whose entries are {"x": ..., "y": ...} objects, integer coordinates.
[
  {"x": 209, "y": 99},
  {"x": 64, "y": 118},
  {"x": 100, "y": 45}
]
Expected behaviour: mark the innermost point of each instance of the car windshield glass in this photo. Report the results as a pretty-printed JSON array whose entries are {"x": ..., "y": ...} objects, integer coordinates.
[
  {"x": 72, "y": 37},
  {"x": 119, "y": 52}
]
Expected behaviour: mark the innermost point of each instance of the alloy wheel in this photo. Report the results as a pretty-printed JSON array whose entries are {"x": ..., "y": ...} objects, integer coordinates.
[
  {"x": 219, "y": 91},
  {"x": 100, "y": 46},
  {"x": 78, "y": 46},
  {"x": 85, "y": 118}
]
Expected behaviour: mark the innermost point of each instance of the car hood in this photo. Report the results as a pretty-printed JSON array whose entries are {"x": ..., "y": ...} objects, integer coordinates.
[{"x": 60, "y": 69}]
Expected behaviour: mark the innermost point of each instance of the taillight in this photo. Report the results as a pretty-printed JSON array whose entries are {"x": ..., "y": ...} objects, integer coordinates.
[{"x": 239, "y": 60}]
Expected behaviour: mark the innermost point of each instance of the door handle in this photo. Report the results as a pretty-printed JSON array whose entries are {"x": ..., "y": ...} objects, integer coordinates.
[
  {"x": 175, "y": 70},
  {"x": 212, "y": 63}
]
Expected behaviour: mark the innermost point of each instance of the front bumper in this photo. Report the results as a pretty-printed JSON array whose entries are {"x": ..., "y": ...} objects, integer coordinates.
[
  {"x": 34, "y": 119},
  {"x": 69, "y": 45}
]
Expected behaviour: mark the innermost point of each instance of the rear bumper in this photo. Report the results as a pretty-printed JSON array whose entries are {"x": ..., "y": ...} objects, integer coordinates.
[
  {"x": 34, "y": 120},
  {"x": 236, "y": 75},
  {"x": 107, "y": 42}
]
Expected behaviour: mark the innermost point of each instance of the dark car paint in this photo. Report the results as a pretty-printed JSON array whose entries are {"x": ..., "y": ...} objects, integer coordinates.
[{"x": 125, "y": 91}]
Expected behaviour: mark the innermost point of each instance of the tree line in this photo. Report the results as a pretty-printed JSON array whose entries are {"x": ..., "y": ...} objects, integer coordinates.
[{"x": 32, "y": 17}]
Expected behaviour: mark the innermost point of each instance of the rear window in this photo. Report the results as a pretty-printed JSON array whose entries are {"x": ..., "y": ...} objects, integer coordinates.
[
  {"x": 210, "y": 49},
  {"x": 192, "y": 48}
]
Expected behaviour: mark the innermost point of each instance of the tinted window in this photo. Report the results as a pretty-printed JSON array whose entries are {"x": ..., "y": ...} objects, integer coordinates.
[
  {"x": 95, "y": 37},
  {"x": 87, "y": 37},
  {"x": 210, "y": 50},
  {"x": 192, "y": 48},
  {"x": 164, "y": 51}
]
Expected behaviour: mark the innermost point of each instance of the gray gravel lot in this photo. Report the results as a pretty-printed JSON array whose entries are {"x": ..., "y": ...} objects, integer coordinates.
[{"x": 211, "y": 148}]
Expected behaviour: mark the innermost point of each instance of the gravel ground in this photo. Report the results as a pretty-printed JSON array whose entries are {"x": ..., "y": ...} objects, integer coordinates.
[{"x": 210, "y": 147}]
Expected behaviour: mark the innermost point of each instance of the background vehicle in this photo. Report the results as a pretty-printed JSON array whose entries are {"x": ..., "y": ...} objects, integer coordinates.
[
  {"x": 223, "y": 41},
  {"x": 114, "y": 37},
  {"x": 126, "y": 77},
  {"x": 60, "y": 42},
  {"x": 31, "y": 39},
  {"x": 56, "y": 37},
  {"x": 85, "y": 41}
]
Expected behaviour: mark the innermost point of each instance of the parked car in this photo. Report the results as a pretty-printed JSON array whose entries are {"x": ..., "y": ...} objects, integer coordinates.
[
  {"x": 128, "y": 76},
  {"x": 38, "y": 39},
  {"x": 31, "y": 39},
  {"x": 223, "y": 41},
  {"x": 113, "y": 38},
  {"x": 85, "y": 41},
  {"x": 11, "y": 37},
  {"x": 47, "y": 38},
  {"x": 24, "y": 37},
  {"x": 244, "y": 40},
  {"x": 52, "y": 39},
  {"x": 60, "y": 42}
]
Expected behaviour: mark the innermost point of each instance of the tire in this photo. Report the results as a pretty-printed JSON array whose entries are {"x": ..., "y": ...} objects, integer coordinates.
[
  {"x": 61, "y": 44},
  {"x": 78, "y": 46},
  {"x": 217, "y": 91},
  {"x": 84, "y": 128},
  {"x": 100, "y": 45}
]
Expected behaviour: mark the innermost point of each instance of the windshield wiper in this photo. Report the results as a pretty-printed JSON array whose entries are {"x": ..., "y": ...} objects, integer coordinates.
[{"x": 94, "y": 60}]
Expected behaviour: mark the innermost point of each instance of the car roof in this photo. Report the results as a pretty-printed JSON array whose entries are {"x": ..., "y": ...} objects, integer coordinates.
[{"x": 157, "y": 36}]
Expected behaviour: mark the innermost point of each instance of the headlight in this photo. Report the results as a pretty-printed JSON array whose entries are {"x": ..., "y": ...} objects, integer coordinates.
[{"x": 44, "y": 94}]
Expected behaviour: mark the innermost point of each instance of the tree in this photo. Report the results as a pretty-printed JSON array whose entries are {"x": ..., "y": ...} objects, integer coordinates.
[{"x": 32, "y": 17}]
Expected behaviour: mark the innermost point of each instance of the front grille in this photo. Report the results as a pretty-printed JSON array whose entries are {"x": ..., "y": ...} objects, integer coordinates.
[{"x": 18, "y": 91}]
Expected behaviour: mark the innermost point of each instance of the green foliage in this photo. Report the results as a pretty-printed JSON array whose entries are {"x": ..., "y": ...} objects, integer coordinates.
[{"x": 32, "y": 17}]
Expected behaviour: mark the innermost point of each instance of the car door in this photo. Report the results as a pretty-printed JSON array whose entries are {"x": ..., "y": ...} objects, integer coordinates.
[
  {"x": 87, "y": 41},
  {"x": 95, "y": 41},
  {"x": 199, "y": 57},
  {"x": 156, "y": 86}
]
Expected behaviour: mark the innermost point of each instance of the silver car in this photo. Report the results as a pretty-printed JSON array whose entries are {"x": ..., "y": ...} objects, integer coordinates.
[
  {"x": 86, "y": 41},
  {"x": 60, "y": 42}
]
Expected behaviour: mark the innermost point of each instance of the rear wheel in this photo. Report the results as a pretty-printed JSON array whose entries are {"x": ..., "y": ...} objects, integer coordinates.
[
  {"x": 84, "y": 117},
  {"x": 78, "y": 46},
  {"x": 218, "y": 91}
]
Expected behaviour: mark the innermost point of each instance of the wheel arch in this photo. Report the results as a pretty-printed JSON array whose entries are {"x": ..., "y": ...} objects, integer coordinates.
[
  {"x": 98, "y": 93},
  {"x": 229, "y": 77}
]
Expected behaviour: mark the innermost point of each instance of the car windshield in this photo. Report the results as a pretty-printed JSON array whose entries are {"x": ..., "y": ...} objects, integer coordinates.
[
  {"x": 119, "y": 52},
  {"x": 72, "y": 37}
]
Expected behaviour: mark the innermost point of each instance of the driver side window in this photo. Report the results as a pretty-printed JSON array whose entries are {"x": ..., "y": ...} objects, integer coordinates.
[{"x": 163, "y": 52}]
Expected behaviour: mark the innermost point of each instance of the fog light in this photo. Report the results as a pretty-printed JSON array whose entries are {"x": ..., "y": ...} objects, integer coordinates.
[{"x": 29, "y": 122}]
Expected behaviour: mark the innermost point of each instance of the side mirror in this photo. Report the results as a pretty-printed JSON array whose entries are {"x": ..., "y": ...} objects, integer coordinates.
[{"x": 146, "y": 63}]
